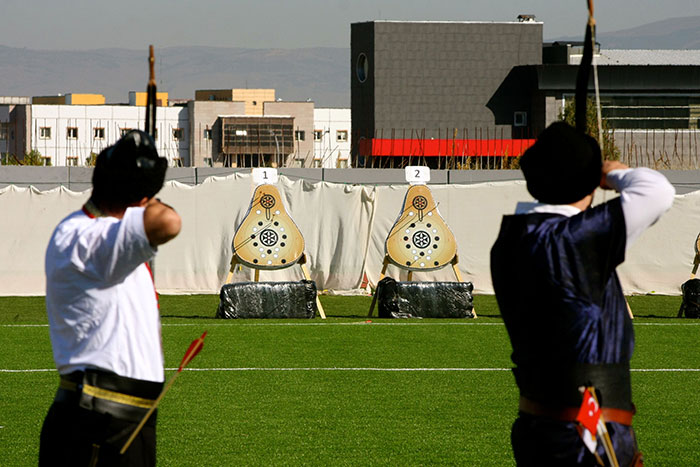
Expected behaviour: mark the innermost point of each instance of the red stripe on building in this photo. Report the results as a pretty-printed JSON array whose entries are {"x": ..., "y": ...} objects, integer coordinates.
[{"x": 386, "y": 147}]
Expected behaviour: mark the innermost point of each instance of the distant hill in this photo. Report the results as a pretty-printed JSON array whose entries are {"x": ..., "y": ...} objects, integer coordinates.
[
  {"x": 674, "y": 33},
  {"x": 320, "y": 74}
]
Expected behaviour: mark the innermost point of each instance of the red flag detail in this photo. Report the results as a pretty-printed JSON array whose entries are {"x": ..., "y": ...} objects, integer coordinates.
[
  {"x": 589, "y": 413},
  {"x": 192, "y": 351}
]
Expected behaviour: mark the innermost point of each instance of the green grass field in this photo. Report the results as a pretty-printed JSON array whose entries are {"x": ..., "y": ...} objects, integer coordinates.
[{"x": 347, "y": 392}]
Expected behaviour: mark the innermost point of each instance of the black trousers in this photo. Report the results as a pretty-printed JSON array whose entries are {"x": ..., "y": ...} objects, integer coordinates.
[{"x": 73, "y": 436}]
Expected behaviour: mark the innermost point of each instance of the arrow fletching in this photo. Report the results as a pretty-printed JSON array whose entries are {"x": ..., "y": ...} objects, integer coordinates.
[{"x": 192, "y": 351}]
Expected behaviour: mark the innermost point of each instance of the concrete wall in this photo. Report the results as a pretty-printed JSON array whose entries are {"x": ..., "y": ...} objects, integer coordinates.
[
  {"x": 204, "y": 115},
  {"x": 253, "y": 98},
  {"x": 79, "y": 178},
  {"x": 303, "y": 113}
]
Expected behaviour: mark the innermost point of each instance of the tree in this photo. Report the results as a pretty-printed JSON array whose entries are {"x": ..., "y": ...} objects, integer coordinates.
[
  {"x": 91, "y": 160},
  {"x": 610, "y": 151},
  {"x": 33, "y": 157}
]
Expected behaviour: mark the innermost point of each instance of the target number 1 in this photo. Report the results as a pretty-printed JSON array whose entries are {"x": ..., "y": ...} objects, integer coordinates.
[{"x": 262, "y": 175}]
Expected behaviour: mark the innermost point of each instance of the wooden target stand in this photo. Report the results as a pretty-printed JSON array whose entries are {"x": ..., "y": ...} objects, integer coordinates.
[
  {"x": 420, "y": 239},
  {"x": 693, "y": 272},
  {"x": 696, "y": 261},
  {"x": 267, "y": 238}
]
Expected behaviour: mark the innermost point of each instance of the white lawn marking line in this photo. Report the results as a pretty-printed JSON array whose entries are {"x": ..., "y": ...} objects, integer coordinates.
[{"x": 641, "y": 370}]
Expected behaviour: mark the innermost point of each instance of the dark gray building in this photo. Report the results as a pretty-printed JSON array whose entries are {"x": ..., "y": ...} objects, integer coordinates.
[{"x": 433, "y": 80}]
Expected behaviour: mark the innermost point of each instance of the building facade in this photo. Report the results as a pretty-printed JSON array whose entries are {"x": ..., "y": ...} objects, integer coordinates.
[
  {"x": 68, "y": 135},
  {"x": 205, "y": 129},
  {"x": 332, "y": 130},
  {"x": 436, "y": 92},
  {"x": 303, "y": 126}
]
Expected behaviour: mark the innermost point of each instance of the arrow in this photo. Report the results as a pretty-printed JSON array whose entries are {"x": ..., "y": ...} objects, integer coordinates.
[{"x": 192, "y": 352}]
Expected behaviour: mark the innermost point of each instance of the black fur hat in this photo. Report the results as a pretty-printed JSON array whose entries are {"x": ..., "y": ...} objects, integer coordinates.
[
  {"x": 563, "y": 166},
  {"x": 128, "y": 171}
]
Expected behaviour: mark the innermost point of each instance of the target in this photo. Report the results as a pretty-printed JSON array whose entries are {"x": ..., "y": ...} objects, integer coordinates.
[
  {"x": 420, "y": 203},
  {"x": 267, "y": 201},
  {"x": 421, "y": 239},
  {"x": 268, "y": 237}
]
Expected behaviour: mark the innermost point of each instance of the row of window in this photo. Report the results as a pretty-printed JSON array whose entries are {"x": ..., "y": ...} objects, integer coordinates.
[
  {"x": 340, "y": 135},
  {"x": 99, "y": 132},
  {"x": 178, "y": 133},
  {"x": 73, "y": 161}
]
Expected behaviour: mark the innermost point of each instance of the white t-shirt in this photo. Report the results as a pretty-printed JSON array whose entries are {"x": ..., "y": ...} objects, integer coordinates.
[{"x": 100, "y": 299}]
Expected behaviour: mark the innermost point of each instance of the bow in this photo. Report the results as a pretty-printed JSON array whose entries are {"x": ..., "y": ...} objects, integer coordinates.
[
  {"x": 150, "y": 125},
  {"x": 192, "y": 352},
  {"x": 582, "y": 78},
  {"x": 151, "y": 96}
]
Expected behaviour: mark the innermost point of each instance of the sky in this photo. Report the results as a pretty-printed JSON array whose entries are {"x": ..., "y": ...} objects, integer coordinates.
[{"x": 134, "y": 24}]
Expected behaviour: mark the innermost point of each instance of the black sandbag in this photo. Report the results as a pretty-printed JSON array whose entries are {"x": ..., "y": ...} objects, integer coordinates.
[
  {"x": 690, "y": 307},
  {"x": 267, "y": 300},
  {"x": 424, "y": 299}
]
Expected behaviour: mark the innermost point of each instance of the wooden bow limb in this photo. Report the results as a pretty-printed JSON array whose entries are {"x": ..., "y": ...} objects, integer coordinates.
[{"x": 150, "y": 123}]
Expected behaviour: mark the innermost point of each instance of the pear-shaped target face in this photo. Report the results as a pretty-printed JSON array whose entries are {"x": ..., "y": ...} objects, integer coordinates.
[
  {"x": 267, "y": 201},
  {"x": 268, "y": 238},
  {"x": 420, "y": 239}
]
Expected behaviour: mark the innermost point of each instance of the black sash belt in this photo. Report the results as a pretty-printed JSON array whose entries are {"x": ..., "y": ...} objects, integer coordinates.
[
  {"x": 559, "y": 386},
  {"x": 108, "y": 393}
]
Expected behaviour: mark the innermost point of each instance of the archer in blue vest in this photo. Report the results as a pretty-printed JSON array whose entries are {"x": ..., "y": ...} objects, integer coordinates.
[{"x": 553, "y": 271}]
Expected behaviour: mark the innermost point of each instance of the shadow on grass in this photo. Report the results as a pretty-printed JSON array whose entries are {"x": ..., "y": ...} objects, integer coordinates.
[
  {"x": 663, "y": 317},
  {"x": 189, "y": 316},
  {"x": 350, "y": 316}
]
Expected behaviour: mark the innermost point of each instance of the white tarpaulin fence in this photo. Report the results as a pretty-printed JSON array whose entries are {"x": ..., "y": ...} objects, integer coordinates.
[{"x": 344, "y": 227}]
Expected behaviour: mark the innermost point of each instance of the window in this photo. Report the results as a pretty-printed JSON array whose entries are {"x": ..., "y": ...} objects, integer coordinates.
[
  {"x": 124, "y": 131},
  {"x": 207, "y": 134},
  {"x": 45, "y": 132},
  {"x": 650, "y": 111},
  {"x": 72, "y": 132},
  {"x": 300, "y": 135},
  {"x": 72, "y": 160},
  {"x": 520, "y": 119},
  {"x": 341, "y": 135},
  {"x": 318, "y": 135},
  {"x": 178, "y": 133},
  {"x": 98, "y": 133},
  {"x": 362, "y": 68}
]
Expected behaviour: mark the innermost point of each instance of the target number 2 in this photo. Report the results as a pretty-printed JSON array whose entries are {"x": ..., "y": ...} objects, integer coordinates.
[{"x": 416, "y": 175}]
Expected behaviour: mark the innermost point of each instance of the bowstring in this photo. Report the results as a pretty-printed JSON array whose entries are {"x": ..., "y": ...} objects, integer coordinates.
[{"x": 596, "y": 86}]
